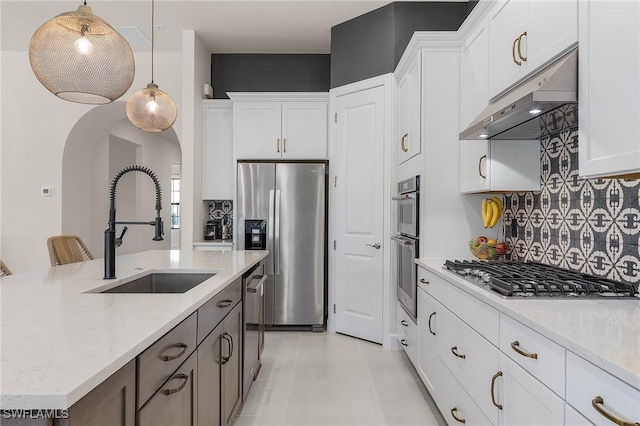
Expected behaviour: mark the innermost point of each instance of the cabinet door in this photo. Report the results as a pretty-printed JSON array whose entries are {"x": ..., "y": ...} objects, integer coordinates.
[
  {"x": 474, "y": 81},
  {"x": 573, "y": 418},
  {"x": 427, "y": 329},
  {"x": 209, "y": 379},
  {"x": 507, "y": 22},
  {"x": 524, "y": 400},
  {"x": 218, "y": 150},
  {"x": 232, "y": 367},
  {"x": 257, "y": 130},
  {"x": 409, "y": 111},
  {"x": 609, "y": 88},
  {"x": 111, "y": 403},
  {"x": 304, "y": 131},
  {"x": 552, "y": 31},
  {"x": 474, "y": 166},
  {"x": 175, "y": 402}
]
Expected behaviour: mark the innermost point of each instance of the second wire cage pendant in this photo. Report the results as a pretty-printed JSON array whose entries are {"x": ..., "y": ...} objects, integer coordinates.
[{"x": 150, "y": 109}]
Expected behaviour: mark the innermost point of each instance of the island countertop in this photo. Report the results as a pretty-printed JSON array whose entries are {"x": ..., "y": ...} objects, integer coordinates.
[
  {"x": 604, "y": 332},
  {"x": 61, "y": 338}
]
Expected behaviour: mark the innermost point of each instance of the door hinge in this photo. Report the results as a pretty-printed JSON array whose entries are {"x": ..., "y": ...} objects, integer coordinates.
[
  {"x": 335, "y": 117},
  {"x": 334, "y": 308},
  {"x": 334, "y": 244}
]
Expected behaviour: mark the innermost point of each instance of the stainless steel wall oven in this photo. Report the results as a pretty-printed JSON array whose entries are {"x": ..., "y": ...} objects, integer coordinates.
[{"x": 408, "y": 199}]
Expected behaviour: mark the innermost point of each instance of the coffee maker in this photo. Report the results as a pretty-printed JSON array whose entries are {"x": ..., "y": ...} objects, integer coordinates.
[{"x": 212, "y": 230}]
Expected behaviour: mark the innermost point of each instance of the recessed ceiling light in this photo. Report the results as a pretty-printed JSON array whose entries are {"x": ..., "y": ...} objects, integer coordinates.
[
  {"x": 535, "y": 111},
  {"x": 483, "y": 135}
]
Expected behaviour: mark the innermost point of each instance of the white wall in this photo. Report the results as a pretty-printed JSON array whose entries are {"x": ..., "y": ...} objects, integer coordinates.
[{"x": 35, "y": 129}]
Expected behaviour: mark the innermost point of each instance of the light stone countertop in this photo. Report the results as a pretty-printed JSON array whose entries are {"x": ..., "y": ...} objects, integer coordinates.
[
  {"x": 58, "y": 342},
  {"x": 604, "y": 332}
]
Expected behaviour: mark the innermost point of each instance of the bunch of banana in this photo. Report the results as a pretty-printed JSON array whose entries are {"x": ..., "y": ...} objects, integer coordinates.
[{"x": 491, "y": 211}]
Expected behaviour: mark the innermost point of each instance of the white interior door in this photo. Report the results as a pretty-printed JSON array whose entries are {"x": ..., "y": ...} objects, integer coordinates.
[{"x": 359, "y": 214}]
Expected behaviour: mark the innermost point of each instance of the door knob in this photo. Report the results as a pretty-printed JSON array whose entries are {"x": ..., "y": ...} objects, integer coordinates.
[{"x": 375, "y": 246}]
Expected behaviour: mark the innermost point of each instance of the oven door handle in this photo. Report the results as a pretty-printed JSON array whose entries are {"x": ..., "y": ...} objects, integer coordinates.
[
  {"x": 404, "y": 241},
  {"x": 404, "y": 197}
]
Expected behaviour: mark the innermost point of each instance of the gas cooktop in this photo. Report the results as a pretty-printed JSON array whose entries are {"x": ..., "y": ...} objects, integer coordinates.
[{"x": 528, "y": 279}]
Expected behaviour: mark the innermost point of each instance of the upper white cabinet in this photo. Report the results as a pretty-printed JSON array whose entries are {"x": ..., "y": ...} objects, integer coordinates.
[
  {"x": 609, "y": 88},
  {"x": 409, "y": 110},
  {"x": 499, "y": 166},
  {"x": 218, "y": 150},
  {"x": 474, "y": 75},
  {"x": 527, "y": 34},
  {"x": 273, "y": 126}
]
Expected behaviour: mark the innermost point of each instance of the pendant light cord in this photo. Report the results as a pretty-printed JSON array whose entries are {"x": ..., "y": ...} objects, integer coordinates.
[{"x": 152, "y": 35}]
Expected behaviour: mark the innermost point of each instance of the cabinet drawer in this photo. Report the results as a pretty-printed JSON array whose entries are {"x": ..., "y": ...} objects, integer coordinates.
[
  {"x": 535, "y": 353},
  {"x": 477, "y": 314},
  {"x": 472, "y": 359},
  {"x": 455, "y": 404},
  {"x": 160, "y": 360},
  {"x": 586, "y": 382},
  {"x": 573, "y": 418},
  {"x": 212, "y": 312},
  {"x": 409, "y": 346},
  {"x": 175, "y": 403},
  {"x": 406, "y": 323}
]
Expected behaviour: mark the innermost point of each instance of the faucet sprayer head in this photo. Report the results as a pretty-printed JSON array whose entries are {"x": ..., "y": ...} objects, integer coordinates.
[{"x": 159, "y": 229}]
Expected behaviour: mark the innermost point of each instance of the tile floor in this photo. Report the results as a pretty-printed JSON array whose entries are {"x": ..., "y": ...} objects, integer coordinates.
[{"x": 327, "y": 379}]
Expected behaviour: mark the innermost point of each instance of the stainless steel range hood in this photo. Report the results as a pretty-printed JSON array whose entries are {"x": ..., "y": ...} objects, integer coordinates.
[{"x": 515, "y": 115}]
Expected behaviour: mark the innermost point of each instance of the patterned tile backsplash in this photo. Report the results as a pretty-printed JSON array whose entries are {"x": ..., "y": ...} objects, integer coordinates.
[
  {"x": 222, "y": 210},
  {"x": 588, "y": 225}
]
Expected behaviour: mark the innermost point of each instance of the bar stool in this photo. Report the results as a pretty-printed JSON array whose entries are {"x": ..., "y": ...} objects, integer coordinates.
[{"x": 64, "y": 249}]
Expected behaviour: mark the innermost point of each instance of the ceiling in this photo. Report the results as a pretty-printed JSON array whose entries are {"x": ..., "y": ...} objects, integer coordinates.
[{"x": 231, "y": 26}]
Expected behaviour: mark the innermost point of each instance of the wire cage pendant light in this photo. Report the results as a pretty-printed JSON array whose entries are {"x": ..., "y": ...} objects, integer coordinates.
[
  {"x": 80, "y": 58},
  {"x": 150, "y": 109}
]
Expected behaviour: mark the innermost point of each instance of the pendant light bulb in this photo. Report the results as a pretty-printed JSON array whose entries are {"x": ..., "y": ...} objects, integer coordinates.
[{"x": 150, "y": 109}]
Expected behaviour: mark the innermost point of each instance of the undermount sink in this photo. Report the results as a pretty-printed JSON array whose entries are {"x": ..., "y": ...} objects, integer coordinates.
[{"x": 162, "y": 282}]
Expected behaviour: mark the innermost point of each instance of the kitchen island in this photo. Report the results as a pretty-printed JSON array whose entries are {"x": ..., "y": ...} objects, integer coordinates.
[{"x": 61, "y": 337}]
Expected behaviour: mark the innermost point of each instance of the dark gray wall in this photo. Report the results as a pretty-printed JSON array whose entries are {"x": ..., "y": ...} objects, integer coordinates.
[
  {"x": 269, "y": 73},
  {"x": 372, "y": 44}
]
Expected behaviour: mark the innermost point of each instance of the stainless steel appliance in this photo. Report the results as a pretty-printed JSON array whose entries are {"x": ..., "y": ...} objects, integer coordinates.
[
  {"x": 539, "y": 281},
  {"x": 253, "y": 325},
  {"x": 408, "y": 243},
  {"x": 289, "y": 200}
]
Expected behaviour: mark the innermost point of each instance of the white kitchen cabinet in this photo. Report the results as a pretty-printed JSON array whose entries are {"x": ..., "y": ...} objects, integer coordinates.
[
  {"x": 573, "y": 418},
  {"x": 609, "y": 88},
  {"x": 499, "y": 166},
  {"x": 474, "y": 71},
  {"x": 596, "y": 394},
  {"x": 428, "y": 309},
  {"x": 218, "y": 150},
  {"x": 408, "y": 143},
  {"x": 526, "y": 35},
  {"x": 280, "y": 126},
  {"x": 407, "y": 334}
]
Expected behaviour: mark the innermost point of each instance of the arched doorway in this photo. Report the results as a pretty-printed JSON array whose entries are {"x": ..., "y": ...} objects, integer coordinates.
[{"x": 101, "y": 143}]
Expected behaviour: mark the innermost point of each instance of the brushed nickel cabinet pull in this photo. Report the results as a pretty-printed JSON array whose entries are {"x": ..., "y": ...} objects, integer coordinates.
[
  {"x": 493, "y": 388},
  {"x": 278, "y": 145},
  {"x": 513, "y": 52},
  {"x": 179, "y": 388},
  {"x": 423, "y": 281},
  {"x": 454, "y": 410},
  {"x": 403, "y": 342},
  {"x": 524, "y": 59},
  {"x": 402, "y": 145},
  {"x": 224, "y": 303},
  {"x": 480, "y": 167},
  {"x": 405, "y": 323},
  {"x": 598, "y": 401},
  {"x": 429, "y": 324},
  {"x": 225, "y": 359},
  {"x": 516, "y": 347},
  {"x": 454, "y": 350},
  {"x": 176, "y": 356},
  {"x": 284, "y": 145}
]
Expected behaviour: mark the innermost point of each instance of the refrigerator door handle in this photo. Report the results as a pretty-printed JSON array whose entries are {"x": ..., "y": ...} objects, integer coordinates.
[
  {"x": 276, "y": 241},
  {"x": 270, "y": 225}
]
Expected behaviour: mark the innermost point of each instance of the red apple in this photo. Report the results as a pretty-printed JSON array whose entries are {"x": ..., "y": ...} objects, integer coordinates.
[
  {"x": 501, "y": 248},
  {"x": 481, "y": 239}
]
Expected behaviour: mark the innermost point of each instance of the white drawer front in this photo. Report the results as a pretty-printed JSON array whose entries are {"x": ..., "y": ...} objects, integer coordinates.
[
  {"x": 409, "y": 347},
  {"x": 573, "y": 418},
  {"x": 471, "y": 359},
  {"x": 407, "y": 323},
  {"x": 538, "y": 355},
  {"x": 477, "y": 314},
  {"x": 585, "y": 382},
  {"x": 454, "y": 403}
]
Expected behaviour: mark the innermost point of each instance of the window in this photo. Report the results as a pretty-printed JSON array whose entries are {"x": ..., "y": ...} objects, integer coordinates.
[{"x": 175, "y": 203}]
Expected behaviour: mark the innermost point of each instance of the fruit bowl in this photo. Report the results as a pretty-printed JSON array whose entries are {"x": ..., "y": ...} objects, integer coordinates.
[{"x": 484, "y": 251}]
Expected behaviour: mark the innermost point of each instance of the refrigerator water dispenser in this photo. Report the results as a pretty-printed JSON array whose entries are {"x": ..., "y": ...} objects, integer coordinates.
[{"x": 255, "y": 237}]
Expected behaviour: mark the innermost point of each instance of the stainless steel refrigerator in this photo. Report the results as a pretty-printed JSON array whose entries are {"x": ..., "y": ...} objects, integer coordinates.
[{"x": 281, "y": 207}]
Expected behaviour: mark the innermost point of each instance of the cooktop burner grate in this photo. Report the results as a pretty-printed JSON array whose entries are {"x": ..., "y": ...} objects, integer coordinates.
[{"x": 529, "y": 279}]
